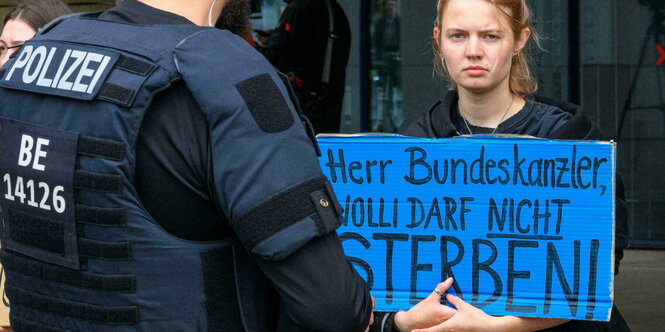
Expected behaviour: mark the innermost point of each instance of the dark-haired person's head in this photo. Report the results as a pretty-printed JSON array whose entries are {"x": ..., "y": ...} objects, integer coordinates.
[
  {"x": 22, "y": 22},
  {"x": 235, "y": 17}
]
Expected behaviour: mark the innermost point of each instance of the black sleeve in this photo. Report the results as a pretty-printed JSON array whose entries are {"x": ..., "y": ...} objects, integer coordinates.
[
  {"x": 421, "y": 127},
  {"x": 621, "y": 226},
  {"x": 424, "y": 125},
  {"x": 314, "y": 280},
  {"x": 580, "y": 127},
  {"x": 384, "y": 321},
  {"x": 416, "y": 129}
]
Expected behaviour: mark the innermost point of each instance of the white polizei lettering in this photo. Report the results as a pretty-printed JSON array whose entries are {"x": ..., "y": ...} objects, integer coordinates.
[
  {"x": 25, "y": 153},
  {"x": 98, "y": 74},
  {"x": 64, "y": 84},
  {"x": 61, "y": 68},
  {"x": 21, "y": 61},
  {"x": 42, "y": 80},
  {"x": 39, "y": 153},
  {"x": 31, "y": 77},
  {"x": 85, "y": 71},
  {"x": 74, "y": 68}
]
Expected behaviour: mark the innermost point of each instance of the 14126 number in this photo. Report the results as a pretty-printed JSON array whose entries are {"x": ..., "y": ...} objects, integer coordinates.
[{"x": 29, "y": 193}]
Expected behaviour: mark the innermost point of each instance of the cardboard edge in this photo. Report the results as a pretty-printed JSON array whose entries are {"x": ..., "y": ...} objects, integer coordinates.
[
  {"x": 333, "y": 135},
  {"x": 485, "y": 136},
  {"x": 614, "y": 188}
]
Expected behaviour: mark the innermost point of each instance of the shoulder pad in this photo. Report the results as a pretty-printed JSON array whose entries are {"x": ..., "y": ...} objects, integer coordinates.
[{"x": 267, "y": 178}]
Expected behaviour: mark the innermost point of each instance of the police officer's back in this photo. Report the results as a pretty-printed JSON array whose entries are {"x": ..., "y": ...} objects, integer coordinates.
[{"x": 158, "y": 176}]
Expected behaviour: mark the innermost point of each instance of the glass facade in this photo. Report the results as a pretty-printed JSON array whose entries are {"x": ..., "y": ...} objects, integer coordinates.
[{"x": 386, "y": 113}]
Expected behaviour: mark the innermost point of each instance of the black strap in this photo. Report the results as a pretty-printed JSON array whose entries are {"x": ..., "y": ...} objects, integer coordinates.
[
  {"x": 135, "y": 66},
  {"x": 21, "y": 324},
  {"x": 328, "y": 211},
  {"x": 116, "y": 94},
  {"x": 327, "y": 61},
  {"x": 107, "y": 283},
  {"x": 100, "y": 216},
  {"x": 283, "y": 210},
  {"x": 89, "y": 312},
  {"x": 97, "y": 147},
  {"x": 98, "y": 181},
  {"x": 105, "y": 250}
]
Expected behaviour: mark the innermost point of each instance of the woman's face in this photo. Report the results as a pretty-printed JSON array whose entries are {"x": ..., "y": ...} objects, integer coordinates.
[
  {"x": 477, "y": 44},
  {"x": 15, "y": 32}
]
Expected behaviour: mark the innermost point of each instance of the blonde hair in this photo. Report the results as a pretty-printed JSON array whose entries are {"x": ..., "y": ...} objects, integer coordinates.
[{"x": 519, "y": 17}]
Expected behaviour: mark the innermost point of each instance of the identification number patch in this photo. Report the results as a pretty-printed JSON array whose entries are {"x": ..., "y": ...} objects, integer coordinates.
[{"x": 37, "y": 194}]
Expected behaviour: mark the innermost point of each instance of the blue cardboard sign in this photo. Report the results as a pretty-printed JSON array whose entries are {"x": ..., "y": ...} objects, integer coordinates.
[{"x": 525, "y": 226}]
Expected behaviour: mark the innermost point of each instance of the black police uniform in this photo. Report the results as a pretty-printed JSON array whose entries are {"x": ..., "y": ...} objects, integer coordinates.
[
  {"x": 298, "y": 46},
  {"x": 94, "y": 104}
]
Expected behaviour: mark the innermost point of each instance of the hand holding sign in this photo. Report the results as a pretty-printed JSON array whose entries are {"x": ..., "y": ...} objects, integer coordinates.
[
  {"x": 466, "y": 318},
  {"x": 429, "y": 312},
  {"x": 470, "y": 318}
]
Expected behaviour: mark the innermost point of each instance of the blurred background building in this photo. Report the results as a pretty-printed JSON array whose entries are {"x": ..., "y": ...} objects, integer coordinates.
[{"x": 599, "y": 54}]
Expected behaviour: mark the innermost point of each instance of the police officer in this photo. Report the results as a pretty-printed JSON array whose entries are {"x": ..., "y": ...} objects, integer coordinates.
[
  {"x": 311, "y": 44},
  {"x": 157, "y": 175}
]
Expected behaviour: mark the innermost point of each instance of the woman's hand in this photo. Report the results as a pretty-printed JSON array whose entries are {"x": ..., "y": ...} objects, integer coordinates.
[
  {"x": 467, "y": 318},
  {"x": 470, "y": 318},
  {"x": 428, "y": 312}
]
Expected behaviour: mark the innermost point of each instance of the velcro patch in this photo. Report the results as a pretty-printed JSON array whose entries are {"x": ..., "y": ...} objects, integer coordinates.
[
  {"x": 266, "y": 103},
  {"x": 286, "y": 209}
]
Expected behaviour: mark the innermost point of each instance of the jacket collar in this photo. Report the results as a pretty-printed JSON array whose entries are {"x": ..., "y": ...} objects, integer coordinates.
[{"x": 441, "y": 123}]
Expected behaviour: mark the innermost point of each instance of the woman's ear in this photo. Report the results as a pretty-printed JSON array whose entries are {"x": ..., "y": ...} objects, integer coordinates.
[
  {"x": 435, "y": 33},
  {"x": 521, "y": 42}
]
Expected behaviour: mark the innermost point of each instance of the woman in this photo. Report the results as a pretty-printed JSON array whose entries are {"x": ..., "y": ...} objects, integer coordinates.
[
  {"x": 23, "y": 21},
  {"x": 478, "y": 47}
]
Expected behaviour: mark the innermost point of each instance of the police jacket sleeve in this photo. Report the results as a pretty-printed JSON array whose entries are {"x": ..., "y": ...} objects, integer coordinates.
[
  {"x": 268, "y": 182},
  {"x": 267, "y": 179},
  {"x": 314, "y": 280}
]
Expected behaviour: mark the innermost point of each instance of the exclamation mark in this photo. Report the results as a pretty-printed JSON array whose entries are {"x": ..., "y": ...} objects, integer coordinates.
[{"x": 593, "y": 272}]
